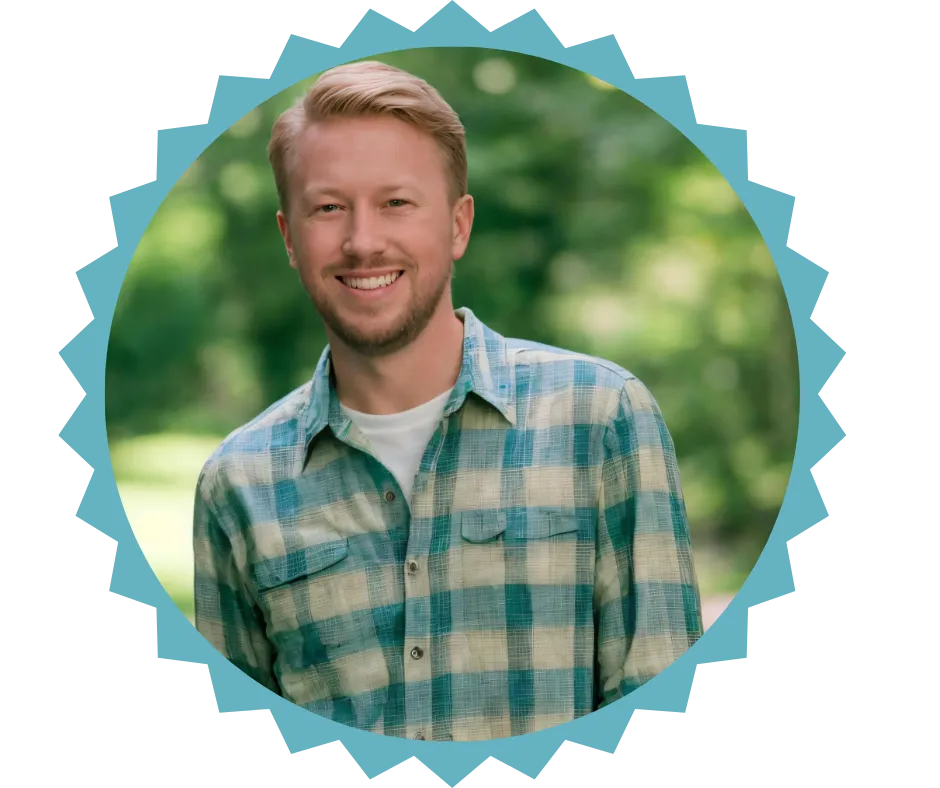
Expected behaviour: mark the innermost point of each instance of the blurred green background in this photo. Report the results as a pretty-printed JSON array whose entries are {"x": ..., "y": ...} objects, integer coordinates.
[{"x": 599, "y": 228}]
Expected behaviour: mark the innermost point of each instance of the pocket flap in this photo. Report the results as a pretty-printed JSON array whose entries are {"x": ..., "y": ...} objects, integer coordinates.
[
  {"x": 481, "y": 526},
  {"x": 314, "y": 558},
  {"x": 543, "y": 523}
]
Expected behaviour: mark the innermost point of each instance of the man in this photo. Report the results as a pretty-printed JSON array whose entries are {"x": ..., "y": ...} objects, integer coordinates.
[{"x": 445, "y": 534}]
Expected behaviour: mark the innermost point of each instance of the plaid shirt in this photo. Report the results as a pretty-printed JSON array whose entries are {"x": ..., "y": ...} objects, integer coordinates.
[{"x": 542, "y": 571}]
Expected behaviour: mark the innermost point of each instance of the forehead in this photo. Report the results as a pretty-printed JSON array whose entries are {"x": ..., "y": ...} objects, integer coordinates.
[{"x": 364, "y": 150}]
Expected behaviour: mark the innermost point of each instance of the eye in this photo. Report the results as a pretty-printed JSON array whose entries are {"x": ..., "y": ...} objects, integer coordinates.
[
  {"x": 328, "y": 208},
  {"x": 397, "y": 203}
]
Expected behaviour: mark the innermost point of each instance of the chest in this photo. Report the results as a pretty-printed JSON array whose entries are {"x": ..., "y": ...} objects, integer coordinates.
[{"x": 341, "y": 551}]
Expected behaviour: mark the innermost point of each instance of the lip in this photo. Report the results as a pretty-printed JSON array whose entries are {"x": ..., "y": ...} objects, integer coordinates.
[
  {"x": 369, "y": 273},
  {"x": 378, "y": 292}
]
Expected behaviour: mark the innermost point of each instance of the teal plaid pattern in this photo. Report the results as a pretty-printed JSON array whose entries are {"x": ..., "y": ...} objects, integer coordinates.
[{"x": 543, "y": 570}]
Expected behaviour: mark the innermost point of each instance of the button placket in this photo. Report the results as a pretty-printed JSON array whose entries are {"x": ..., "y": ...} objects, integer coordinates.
[
  {"x": 417, "y": 661},
  {"x": 417, "y": 589}
]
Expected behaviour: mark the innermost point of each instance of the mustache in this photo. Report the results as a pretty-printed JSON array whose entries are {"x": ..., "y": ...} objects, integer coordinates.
[{"x": 372, "y": 264}]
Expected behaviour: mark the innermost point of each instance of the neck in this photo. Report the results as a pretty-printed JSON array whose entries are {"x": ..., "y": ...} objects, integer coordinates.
[{"x": 426, "y": 368}]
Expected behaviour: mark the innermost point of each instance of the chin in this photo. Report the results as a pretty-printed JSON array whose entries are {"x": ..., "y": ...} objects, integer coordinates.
[{"x": 374, "y": 337}]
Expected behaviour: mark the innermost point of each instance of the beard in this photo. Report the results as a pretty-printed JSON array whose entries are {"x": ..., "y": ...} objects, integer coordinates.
[{"x": 402, "y": 331}]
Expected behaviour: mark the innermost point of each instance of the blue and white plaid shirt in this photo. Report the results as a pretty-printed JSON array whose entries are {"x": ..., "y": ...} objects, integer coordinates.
[{"x": 543, "y": 570}]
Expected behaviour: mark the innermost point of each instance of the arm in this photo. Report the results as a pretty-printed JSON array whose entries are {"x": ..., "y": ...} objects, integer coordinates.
[
  {"x": 646, "y": 597},
  {"x": 226, "y": 614}
]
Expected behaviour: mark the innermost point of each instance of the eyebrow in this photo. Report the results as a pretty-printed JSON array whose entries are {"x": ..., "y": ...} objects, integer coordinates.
[
  {"x": 315, "y": 192},
  {"x": 404, "y": 186}
]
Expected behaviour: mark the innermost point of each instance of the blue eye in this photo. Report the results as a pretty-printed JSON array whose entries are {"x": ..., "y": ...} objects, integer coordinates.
[{"x": 400, "y": 202}]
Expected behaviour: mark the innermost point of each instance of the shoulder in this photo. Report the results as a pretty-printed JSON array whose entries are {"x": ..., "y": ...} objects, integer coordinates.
[
  {"x": 534, "y": 360},
  {"x": 616, "y": 392},
  {"x": 252, "y": 451}
]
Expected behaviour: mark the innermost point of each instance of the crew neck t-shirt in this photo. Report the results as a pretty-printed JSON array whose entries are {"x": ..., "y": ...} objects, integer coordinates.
[{"x": 398, "y": 440}]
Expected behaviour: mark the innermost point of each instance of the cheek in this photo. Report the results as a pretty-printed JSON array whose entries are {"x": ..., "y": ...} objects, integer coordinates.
[
  {"x": 429, "y": 243},
  {"x": 315, "y": 249}
]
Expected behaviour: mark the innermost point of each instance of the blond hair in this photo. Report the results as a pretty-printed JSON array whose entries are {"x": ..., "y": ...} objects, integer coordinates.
[{"x": 371, "y": 89}]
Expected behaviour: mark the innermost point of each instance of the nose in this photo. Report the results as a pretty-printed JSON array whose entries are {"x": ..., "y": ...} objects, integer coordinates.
[{"x": 364, "y": 237}]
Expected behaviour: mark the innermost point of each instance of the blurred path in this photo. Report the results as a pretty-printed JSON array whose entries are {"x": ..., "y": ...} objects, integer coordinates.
[{"x": 714, "y": 606}]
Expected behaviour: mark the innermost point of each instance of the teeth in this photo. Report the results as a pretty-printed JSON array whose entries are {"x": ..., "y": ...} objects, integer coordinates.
[{"x": 370, "y": 283}]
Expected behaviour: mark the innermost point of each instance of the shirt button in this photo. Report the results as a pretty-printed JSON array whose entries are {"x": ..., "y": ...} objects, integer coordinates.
[
  {"x": 412, "y": 567},
  {"x": 417, "y": 652},
  {"x": 389, "y": 496}
]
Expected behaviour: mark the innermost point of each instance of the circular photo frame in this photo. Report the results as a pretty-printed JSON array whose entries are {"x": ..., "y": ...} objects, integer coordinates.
[{"x": 671, "y": 97}]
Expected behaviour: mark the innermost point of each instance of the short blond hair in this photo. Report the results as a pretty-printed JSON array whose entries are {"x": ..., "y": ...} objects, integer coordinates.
[{"x": 371, "y": 89}]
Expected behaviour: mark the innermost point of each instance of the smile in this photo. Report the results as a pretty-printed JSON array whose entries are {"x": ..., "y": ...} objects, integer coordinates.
[{"x": 370, "y": 283}]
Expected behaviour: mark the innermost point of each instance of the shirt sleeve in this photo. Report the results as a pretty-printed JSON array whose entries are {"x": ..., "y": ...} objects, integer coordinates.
[
  {"x": 225, "y": 612},
  {"x": 646, "y": 599}
]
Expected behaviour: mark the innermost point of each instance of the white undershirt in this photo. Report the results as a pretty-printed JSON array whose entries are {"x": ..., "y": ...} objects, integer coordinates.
[{"x": 398, "y": 440}]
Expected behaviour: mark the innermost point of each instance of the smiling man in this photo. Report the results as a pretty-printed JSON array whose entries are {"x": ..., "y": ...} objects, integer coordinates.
[{"x": 445, "y": 534}]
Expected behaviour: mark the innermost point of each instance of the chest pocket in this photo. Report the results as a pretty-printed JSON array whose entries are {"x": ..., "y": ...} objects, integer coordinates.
[
  {"x": 526, "y": 546},
  {"x": 537, "y": 546},
  {"x": 316, "y": 600},
  {"x": 546, "y": 550}
]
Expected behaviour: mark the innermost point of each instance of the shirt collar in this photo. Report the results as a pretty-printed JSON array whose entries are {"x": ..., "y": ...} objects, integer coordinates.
[{"x": 485, "y": 371}]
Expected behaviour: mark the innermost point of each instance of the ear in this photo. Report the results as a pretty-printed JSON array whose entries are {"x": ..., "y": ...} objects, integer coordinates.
[
  {"x": 284, "y": 227},
  {"x": 462, "y": 224}
]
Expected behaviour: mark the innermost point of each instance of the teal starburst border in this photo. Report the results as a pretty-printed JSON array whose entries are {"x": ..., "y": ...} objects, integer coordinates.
[{"x": 86, "y": 431}]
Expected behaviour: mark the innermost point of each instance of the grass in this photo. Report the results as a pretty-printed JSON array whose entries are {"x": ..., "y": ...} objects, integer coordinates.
[
  {"x": 157, "y": 477},
  {"x": 166, "y": 459}
]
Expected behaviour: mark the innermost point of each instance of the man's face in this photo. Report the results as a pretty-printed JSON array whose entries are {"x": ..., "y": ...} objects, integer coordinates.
[{"x": 371, "y": 229}]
